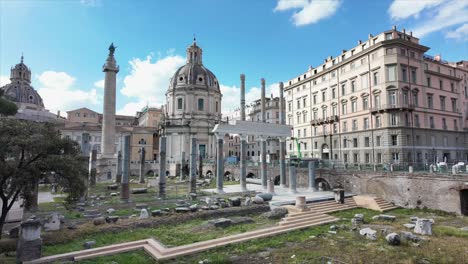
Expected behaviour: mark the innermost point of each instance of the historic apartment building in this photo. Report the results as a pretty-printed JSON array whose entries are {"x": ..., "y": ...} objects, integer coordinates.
[
  {"x": 85, "y": 127},
  {"x": 383, "y": 101}
]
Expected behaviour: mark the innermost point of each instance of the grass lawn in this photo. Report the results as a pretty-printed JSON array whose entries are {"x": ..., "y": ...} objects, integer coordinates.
[
  {"x": 448, "y": 244},
  {"x": 170, "y": 235}
]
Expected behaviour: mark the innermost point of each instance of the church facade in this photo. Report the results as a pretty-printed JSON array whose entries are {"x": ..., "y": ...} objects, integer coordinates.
[
  {"x": 193, "y": 108},
  {"x": 27, "y": 99}
]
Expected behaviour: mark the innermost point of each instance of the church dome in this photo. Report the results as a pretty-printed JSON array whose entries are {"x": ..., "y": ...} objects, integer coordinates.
[
  {"x": 193, "y": 73},
  {"x": 20, "y": 89}
]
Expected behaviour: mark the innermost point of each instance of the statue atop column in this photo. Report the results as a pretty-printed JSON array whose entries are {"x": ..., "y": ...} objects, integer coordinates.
[{"x": 112, "y": 49}]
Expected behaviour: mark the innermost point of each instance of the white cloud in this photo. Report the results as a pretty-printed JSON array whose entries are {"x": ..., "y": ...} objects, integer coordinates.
[
  {"x": 460, "y": 33},
  {"x": 148, "y": 81},
  {"x": 99, "y": 84},
  {"x": 4, "y": 80},
  {"x": 312, "y": 11},
  {"x": 451, "y": 13},
  {"x": 290, "y": 4},
  {"x": 430, "y": 15},
  {"x": 58, "y": 93},
  {"x": 401, "y": 9},
  {"x": 131, "y": 108}
]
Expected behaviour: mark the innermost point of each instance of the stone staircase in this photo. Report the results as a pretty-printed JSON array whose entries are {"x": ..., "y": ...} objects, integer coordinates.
[
  {"x": 373, "y": 203},
  {"x": 384, "y": 205}
]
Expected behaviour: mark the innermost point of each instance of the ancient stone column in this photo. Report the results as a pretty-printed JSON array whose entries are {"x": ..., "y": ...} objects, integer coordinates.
[
  {"x": 29, "y": 245},
  {"x": 243, "y": 138},
  {"x": 263, "y": 172},
  {"x": 243, "y": 165},
  {"x": 162, "y": 167},
  {"x": 292, "y": 179},
  {"x": 142, "y": 165},
  {"x": 193, "y": 165},
  {"x": 219, "y": 164},
  {"x": 312, "y": 176},
  {"x": 182, "y": 169},
  {"x": 118, "y": 178},
  {"x": 124, "y": 194},
  {"x": 282, "y": 157},
  {"x": 108, "y": 116},
  {"x": 92, "y": 167}
]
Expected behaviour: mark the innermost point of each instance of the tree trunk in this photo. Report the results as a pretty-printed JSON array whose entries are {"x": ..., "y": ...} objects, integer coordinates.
[
  {"x": 31, "y": 198},
  {"x": 3, "y": 216}
]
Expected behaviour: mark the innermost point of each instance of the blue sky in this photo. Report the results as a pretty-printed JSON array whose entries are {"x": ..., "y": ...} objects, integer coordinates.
[{"x": 65, "y": 42}]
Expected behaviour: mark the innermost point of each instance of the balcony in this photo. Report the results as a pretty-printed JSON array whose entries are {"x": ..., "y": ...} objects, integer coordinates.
[
  {"x": 392, "y": 107},
  {"x": 327, "y": 120}
]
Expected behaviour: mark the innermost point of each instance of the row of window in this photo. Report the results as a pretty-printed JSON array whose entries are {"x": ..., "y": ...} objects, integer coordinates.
[
  {"x": 200, "y": 104},
  {"x": 92, "y": 115}
]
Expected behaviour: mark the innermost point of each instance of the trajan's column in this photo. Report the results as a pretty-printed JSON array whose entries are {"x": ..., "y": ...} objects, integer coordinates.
[{"x": 108, "y": 157}]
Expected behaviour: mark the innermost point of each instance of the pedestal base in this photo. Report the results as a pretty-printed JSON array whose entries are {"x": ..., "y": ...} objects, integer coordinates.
[{"x": 106, "y": 169}]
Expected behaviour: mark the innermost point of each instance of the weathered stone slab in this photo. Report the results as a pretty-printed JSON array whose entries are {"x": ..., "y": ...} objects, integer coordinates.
[
  {"x": 369, "y": 233},
  {"x": 140, "y": 206},
  {"x": 276, "y": 213},
  {"x": 182, "y": 210},
  {"x": 99, "y": 220},
  {"x": 410, "y": 236},
  {"x": 265, "y": 196},
  {"x": 92, "y": 214},
  {"x": 156, "y": 213},
  {"x": 221, "y": 222},
  {"x": 52, "y": 223},
  {"x": 112, "y": 187},
  {"x": 139, "y": 190},
  {"x": 409, "y": 226},
  {"x": 89, "y": 244},
  {"x": 384, "y": 217},
  {"x": 423, "y": 226}
]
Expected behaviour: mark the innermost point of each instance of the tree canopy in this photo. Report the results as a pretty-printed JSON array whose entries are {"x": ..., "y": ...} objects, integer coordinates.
[{"x": 31, "y": 151}]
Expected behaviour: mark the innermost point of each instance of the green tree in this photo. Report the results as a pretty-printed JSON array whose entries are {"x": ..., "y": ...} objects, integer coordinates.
[
  {"x": 31, "y": 151},
  {"x": 7, "y": 108}
]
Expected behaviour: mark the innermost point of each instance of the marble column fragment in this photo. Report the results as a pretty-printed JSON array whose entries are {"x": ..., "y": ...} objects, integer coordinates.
[
  {"x": 263, "y": 172},
  {"x": 118, "y": 178},
  {"x": 182, "y": 167},
  {"x": 312, "y": 176},
  {"x": 292, "y": 179},
  {"x": 92, "y": 168},
  {"x": 243, "y": 164},
  {"x": 142, "y": 165},
  {"x": 219, "y": 164},
  {"x": 193, "y": 165},
  {"x": 125, "y": 193},
  {"x": 162, "y": 167}
]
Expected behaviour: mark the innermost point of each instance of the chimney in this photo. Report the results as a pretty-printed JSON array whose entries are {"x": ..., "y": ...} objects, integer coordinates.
[
  {"x": 394, "y": 27},
  {"x": 411, "y": 33},
  {"x": 359, "y": 42},
  {"x": 371, "y": 36}
]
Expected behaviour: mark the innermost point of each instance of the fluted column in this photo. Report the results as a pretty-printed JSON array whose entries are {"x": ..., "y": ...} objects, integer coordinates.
[
  {"x": 263, "y": 150},
  {"x": 243, "y": 140}
]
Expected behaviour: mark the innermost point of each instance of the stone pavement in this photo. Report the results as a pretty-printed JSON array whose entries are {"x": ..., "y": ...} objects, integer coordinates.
[{"x": 282, "y": 195}]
